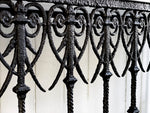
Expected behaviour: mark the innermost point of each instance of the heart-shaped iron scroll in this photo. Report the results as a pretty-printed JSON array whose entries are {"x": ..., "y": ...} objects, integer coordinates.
[
  {"x": 57, "y": 19},
  {"x": 33, "y": 20},
  {"x": 99, "y": 22},
  {"x": 106, "y": 26},
  {"x": 135, "y": 27}
]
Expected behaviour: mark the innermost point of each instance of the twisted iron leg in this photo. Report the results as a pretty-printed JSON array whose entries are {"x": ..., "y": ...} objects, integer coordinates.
[
  {"x": 134, "y": 70},
  {"x": 21, "y": 92},
  {"x": 70, "y": 81},
  {"x": 106, "y": 97},
  {"x": 106, "y": 77}
]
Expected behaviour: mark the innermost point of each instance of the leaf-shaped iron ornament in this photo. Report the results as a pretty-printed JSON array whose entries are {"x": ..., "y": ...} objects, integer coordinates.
[
  {"x": 105, "y": 26},
  {"x": 70, "y": 19},
  {"x": 20, "y": 17},
  {"x": 135, "y": 27}
]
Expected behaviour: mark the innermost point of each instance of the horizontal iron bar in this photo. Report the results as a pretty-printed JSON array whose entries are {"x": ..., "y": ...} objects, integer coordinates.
[{"x": 121, "y": 4}]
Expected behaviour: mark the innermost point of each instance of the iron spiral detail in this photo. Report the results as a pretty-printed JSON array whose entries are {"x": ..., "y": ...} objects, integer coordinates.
[{"x": 105, "y": 23}]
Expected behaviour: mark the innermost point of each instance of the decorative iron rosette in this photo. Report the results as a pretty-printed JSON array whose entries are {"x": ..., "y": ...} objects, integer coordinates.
[{"x": 20, "y": 14}]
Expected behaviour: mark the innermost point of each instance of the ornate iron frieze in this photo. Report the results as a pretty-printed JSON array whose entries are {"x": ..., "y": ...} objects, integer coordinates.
[
  {"x": 123, "y": 4},
  {"x": 104, "y": 20}
]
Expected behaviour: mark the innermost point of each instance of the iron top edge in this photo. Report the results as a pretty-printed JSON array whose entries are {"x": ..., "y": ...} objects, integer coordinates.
[{"x": 123, "y": 4}]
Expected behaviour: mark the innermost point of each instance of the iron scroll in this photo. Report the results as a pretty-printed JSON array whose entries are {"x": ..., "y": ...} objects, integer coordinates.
[{"x": 98, "y": 21}]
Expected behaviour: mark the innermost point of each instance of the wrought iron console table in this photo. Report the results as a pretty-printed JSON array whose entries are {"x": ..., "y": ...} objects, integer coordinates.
[{"x": 106, "y": 19}]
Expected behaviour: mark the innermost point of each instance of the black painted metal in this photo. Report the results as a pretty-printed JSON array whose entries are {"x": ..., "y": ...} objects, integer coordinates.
[
  {"x": 19, "y": 42},
  {"x": 105, "y": 22},
  {"x": 123, "y": 4},
  {"x": 148, "y": 39},
  {"x": 68, "y": 18},
  {"x": 137, "y": 23}
]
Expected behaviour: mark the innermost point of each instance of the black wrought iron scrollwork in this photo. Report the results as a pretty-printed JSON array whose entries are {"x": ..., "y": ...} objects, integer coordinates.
[
  {"x": 104, "y": 22},
  {"x": 19, "y": 43},
  {"x": 135, "y": 27},
  {"x": 105, "y": 25},
  {"x": 68, "y": 19}
]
